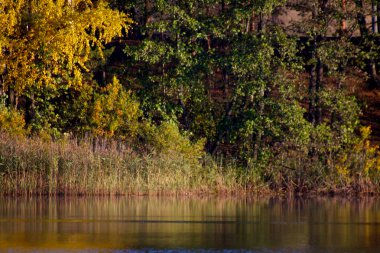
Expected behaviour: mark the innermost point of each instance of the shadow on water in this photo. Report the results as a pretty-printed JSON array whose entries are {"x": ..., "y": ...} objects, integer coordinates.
[{"x": 144, "y": 224}]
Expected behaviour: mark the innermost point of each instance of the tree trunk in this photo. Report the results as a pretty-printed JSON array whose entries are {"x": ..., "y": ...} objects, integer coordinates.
[
  {"x": 312, "y": 91},
  {"x": 259, "y": 135},
  {"x": 260, "y": 106},
  {"x": 1, "y": 83},
  {"x": 378, "y": 15},
  {"x": 364, "y": 32},
  {"x": 344, "y": 9},
  {"x": 261, "y": 24},
  {"x": 362, "y": 24},
  {"x": 1, "y": 89},
  {"x": 318, "y": 89},
  {"x": 313, "y": 71},
  {"x": 361, "y": 18},
  {"x": 11, "y": 98},
  {"x": 373, "y": 73},
  {"x": 374, "y": 16},
  {"x": 220, "y": 133},
  {"x": 252, "y": 28},
  {"x": 147, "y": 14},
  {"x": 30, "y": 108}
]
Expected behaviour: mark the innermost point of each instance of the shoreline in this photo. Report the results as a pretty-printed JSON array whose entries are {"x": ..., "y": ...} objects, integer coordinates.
[
  {"x": 197, "y": 194},
  {"x": 36, "y": 167}
]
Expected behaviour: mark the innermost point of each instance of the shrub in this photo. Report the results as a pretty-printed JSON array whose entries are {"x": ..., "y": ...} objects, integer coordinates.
[
  {"x": 12, "y": 121},
  {"x": 115, "y": 112},
  {"x": 362, "y": 159},
  {"x": 167, "y": 139}
]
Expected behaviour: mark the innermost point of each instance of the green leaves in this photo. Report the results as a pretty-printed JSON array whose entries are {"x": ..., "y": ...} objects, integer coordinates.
[{"x": 223, "y": 71}]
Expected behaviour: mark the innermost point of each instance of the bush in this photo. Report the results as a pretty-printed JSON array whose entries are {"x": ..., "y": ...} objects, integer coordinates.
[
  {"x": 167, "y": 139},
  {"x": 12, "y": 121},
  {"x": 115, "y": 112}
]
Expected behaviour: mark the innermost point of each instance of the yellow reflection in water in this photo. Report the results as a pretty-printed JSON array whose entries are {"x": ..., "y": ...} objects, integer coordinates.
[{"x": 189, "y": 223}]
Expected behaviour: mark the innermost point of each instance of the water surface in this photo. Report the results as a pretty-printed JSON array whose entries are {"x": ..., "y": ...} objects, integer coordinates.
[{"x": 189, "y": 224}]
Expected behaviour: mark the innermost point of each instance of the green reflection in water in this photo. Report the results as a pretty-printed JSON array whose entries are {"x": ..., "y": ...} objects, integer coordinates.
[{"x": 264, "y": 225}]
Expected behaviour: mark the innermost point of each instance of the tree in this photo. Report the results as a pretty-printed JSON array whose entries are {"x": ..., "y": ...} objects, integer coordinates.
[
  {"x": 218, "y": 68},
  {"x": 46, "y": 48}
]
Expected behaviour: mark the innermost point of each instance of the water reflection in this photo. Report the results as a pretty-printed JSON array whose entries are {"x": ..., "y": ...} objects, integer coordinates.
[{"x": 262, "y": 225}]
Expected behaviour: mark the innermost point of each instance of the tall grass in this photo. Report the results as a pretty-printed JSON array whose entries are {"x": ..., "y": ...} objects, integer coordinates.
[
  {"x": 71, "y": 166},
  {"x": 30, "y": 166}
]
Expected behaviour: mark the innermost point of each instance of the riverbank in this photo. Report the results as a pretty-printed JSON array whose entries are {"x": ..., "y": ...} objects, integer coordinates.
[
  {"x": 35, "y": 166},
  {"x": 31, "y": 166}
]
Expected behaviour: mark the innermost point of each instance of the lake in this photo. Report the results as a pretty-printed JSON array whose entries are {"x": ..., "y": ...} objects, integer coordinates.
[{"x": 169, "y": 224}]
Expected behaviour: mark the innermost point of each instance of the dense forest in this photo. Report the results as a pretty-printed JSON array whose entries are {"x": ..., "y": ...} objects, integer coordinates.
[{"x": 121, "y": 96}]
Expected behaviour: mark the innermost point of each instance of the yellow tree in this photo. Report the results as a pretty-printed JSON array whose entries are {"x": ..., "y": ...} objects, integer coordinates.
[{"x": 48, "y": 43}]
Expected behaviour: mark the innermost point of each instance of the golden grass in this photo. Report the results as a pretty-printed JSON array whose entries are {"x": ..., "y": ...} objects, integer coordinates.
[{"x": 30, "y": 166}]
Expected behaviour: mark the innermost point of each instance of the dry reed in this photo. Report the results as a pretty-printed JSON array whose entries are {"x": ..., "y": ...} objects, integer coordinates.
[{"x": 30, "y": 166}]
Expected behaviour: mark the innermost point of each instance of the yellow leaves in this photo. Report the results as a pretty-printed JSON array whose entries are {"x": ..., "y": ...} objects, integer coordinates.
[
  {"x": 342, "y": 171},
  {"x": 365, "y": 132},
  {"x": 115, "y": 111},
  {"x": 50, "y": 36},
  {"x": 369, "y": 165},
  {"x": 8, "y": 16},
  {"x": 11, "y": 121},
  {"x": 370, "y": 152},
  {"x": 364, "y": 158},
  {"x": 167, "y": 139}
]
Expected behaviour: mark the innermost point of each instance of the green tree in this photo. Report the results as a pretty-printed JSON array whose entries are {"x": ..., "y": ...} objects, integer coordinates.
[{"x": 216, "y": 67}]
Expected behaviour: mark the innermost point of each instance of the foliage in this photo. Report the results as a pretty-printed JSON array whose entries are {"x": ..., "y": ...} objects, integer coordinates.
[
  {"x": 46, "y": 49},
  {"x": 189, "y": 51},
  {"x": 12, "y": 121},
  {"x": 115, "y": 112},
  {"x": 362, "y": 159},
  {"x": 49, "y": 42},
  {"x": 167, "y": 138},
  {"x": 190, "y": 80}
]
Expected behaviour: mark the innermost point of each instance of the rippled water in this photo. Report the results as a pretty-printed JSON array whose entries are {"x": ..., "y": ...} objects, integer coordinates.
[{"x": 189, "y": 224}]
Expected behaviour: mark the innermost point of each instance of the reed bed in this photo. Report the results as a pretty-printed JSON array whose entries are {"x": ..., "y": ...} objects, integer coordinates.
[
  {"x": 71, "y": 166},
  {"x": 30, "y": 166}
]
